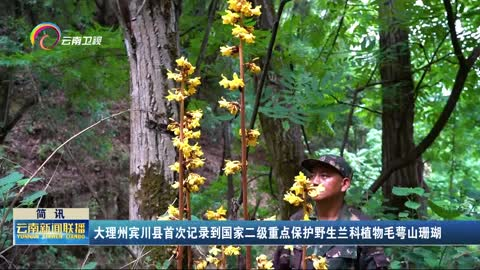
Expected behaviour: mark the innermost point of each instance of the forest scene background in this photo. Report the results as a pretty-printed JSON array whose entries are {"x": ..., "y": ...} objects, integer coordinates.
[{"x": 391, "y": 87}]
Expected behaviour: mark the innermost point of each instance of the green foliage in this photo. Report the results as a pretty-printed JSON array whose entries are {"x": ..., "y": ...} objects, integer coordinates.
[
  {"x": 90, "y": 265},
  {"x": 434, "y": 257},
  {"x": 9, "y": 187},
  {"x": 11, "y": 183},
  {"x": 444, "y": 211},
  {"x": 403, "y": 191},
  {"x": 51, "y": 255},
  {"x": 88, "y": 75},
  {"x": 211, "y": 197}
]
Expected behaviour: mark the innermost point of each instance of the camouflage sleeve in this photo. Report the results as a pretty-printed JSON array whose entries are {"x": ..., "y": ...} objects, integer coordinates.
[
  {"x": 281, "y": 259},
  {"x": 373, "y": 258}
]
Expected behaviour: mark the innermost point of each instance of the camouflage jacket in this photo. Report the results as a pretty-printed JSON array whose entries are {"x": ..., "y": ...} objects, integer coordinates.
[{"x": 338, "y": 257}]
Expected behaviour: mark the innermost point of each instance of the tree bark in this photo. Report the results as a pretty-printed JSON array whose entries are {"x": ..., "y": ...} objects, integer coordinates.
[
  {"x": 286, "y": 151},
  {"x": 151, "y": 38},
  {"x": 284, "y": 146},
  {"x": 398, "y": 100}
]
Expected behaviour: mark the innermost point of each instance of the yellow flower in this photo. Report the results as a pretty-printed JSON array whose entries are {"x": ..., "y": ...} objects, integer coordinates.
[
  {"x": 230, "y": 17},
  {"x": 236, "y": 82},
  {"x": 174, "y": 76},
  {"x": 175, "y": 185},
  {"x": 195, "y": 82},
  {"x": 196, "y": 114},
  {"x": 221, "y": 211},
  {"x": 229, "y": 50},
  {"x": 301, "y": 179},
  {"x": 252, "y": 67},
  {"x": 185, "y": 66},
  {"x": 194, "y": 163},
  {"x": 190, "y": 181},
  {"x": 262, "y": 257},
  {"x": 213, "y": 260},
  {"x": 224, "y": 82},
  {"x": 249, "y": 38},
  {"x": 194, "y": 181},
  {"x": 243, "y": 34},
  {"x": 192, "y": 119},
  {"x": 292, "y": 199},
  {"x": 297, "y": 189},
  {"x": 263, "y": 262},
  {"x": 232, "y": 166},
  {"x": 220, "y": 214},
  {"x": 266, "y": 265},
  {"x": 201, "y": 265},
  {"x": 238, "y": 31},
  {"x": 231, "y": 251},
  {"x": 175, "y": 167},
  {"x": 231, "y": 106},
  {"x": 319, "y": 262},
  {"x": 197, "y": 153},
  {"x": 177, "y": 96},
  {"x": 252, "y": 136},
  {"x": 314, "y": 191},
  {"x": 214, "y": 250},
  {"x": 245, "y": 7},
  {"x": 194, "y": 188},
  {"x": 233, "y": 84},
  {"x": 183, "y": 146},
  {"x": 236, "y": 5},
  {"x": 181, "y": 62},
  {"x": 247, "y": 10},
  {"x": 171, "y": 214},
  {"x": 197, "y": 149},
  {"x": 192, "y": 85},
  {"x": 256, "y": 11},
  {"x": 210, "y": 214},
  {"x": 191, "y": 91},
  {"x": 173, "y": 211},
  {"x": 173, "y": 126},
  {"x": 188, "y": 134}
]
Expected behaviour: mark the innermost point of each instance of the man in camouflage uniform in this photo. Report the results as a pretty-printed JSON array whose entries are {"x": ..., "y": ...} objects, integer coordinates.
[{"x": 334, "y": 173}]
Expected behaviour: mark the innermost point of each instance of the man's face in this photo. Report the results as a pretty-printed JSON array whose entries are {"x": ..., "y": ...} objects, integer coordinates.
[{"x": 335, "y": 185}]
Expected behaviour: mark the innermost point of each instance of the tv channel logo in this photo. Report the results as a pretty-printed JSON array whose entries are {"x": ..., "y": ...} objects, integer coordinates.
[
  {"x": 46, "y": 28},
  {"x": 47, "y": 35}
]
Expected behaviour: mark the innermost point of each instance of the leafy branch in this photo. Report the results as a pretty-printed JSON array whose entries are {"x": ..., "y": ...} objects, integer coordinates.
[{"x": 465, "y": 65}]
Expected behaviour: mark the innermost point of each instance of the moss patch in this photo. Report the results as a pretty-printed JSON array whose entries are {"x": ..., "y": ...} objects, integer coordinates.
[{"x": 155, "y": 193}]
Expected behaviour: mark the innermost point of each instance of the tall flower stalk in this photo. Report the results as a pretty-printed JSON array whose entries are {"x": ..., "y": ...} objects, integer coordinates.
[
  {"x": 237, "y": 15},
  {"x": 189, "y": 156},
  {"x": 297, "y": 195}
]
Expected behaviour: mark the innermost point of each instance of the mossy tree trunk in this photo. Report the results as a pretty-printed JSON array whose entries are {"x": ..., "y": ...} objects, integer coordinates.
[{"x": 151, "y": 39}]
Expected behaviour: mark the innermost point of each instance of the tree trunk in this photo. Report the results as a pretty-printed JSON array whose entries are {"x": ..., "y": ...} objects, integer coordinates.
[
  {"x": 151, "y": 38},
  {"x": 286, "y": 151},
  {"x": 398, "y": 99},
  {"x": 284, "y": 146}
]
